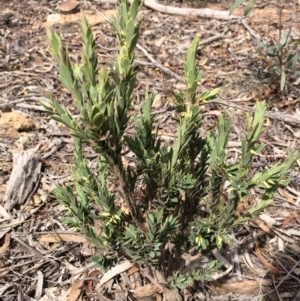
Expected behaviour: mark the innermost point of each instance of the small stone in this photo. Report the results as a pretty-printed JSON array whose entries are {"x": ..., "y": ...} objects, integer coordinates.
[
  {"x": 70, "y": 6},
  {"x": 53, "y": 18}
]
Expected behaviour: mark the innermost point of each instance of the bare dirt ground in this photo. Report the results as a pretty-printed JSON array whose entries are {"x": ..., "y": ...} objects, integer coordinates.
[{"x": 40, "y": 259}]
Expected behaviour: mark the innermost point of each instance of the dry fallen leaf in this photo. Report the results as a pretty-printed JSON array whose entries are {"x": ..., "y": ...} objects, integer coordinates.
[
  {"x": 132, "y": 270},
  {"x": 262, "y": 225},
  {"x": 158, "y": 297},
  {"x": 69, "y": 6},
  {"x": 92, "y": 19},
  {"x": 157, "y": 102},
  {"x": 76, "y": 290},
  {"x": 296, "y": 215},
  {"x": 89, "y": 283},
  {"x": 116, "y": 270},
  {"x": 286, "y": 195},
  {"x": 264, "y": 261},
  {"x": 87, "y": 250},
  {"x": 245, "y": 287},
  {"x": 291, "y": 219},
  {"x": 6, "y": 243},
  {"x": 145, "y": 291},
  {"x": 58, "y": 237}
]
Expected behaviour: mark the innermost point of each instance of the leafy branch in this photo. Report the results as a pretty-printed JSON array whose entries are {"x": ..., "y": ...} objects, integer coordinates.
[{"x": 169, "y": 199}]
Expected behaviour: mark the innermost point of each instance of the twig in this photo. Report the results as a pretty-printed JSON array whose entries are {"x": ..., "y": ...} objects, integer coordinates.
[
  {"x": 36, "y": 252},
  {"x": 55, "y": 145},
  {"x": 211, "y": 39},
  {"x": 31, "y": 107},
  {"x": 278, "y": 295},
  {"x": 235, "y": 258},
  {"x": 146, "y": 274},
  {"x": 253, "y": 34},
  {"x": 283, "y": 279},
  {"x": 277, "y": 116},
  {"x": 228, "y": 265},
  {"x": 19, "y": 102},
  {"x": 127, "y": 197},
  {"x": 295, "y": 276},
  {"x": 159, "y": 65}
]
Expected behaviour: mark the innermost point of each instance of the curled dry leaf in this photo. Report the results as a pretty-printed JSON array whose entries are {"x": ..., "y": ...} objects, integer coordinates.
[
  {"x": 88, "y": 284},
  {"x": 254, "y": 268},
  {"x": 265, "y": 262}
]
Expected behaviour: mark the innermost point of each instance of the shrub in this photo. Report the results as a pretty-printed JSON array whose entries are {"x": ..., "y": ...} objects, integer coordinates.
[
  {"x": 169, "y": 200},
  {"x": 279, "y": 57},
  {"x": 280, "y": 61}
]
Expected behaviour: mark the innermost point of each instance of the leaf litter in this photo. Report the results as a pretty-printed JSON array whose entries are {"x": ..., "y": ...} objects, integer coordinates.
[{"x": 43, "y": 260}]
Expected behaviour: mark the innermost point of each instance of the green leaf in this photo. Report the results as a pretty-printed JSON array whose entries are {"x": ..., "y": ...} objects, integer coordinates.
[
  {"x": 292, "y": 60},
  {"x": 284, "y": 38},
  {"x": 47, "y": 105},
  {"x": 126, "y": 65},
  {"x": 129, "y": 32},
  {"x": 133, "y": 42},
  {"x": 235, "y": 5},
  {"x": 98, "y": 119},
  {"x": 248, "y": 7},
  {"x": 209, "y": 95},
  {"x": 134, "y": 8},
  {"x": 58, "y": 118},
  {"x": 84, "y": 113},
  {"x": 172, "y": 188}
]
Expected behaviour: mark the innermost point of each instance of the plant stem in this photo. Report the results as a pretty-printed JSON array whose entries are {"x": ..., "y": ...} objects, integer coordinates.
[{"x": 118, "y": 169}]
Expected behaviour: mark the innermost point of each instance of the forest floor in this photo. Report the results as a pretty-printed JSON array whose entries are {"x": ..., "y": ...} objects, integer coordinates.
[{"x": 40, "y": 259}]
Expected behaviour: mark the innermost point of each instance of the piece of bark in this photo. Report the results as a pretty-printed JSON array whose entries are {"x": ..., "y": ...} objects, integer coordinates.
[
  {"x": 180, "y": 11},
  {"x": 24, "y": 177}
]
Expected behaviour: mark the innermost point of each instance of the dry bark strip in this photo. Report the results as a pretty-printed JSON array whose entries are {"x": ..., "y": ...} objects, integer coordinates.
[
  {"x": 24, "y": 178},
  {"x": 181, "y": 11}
]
